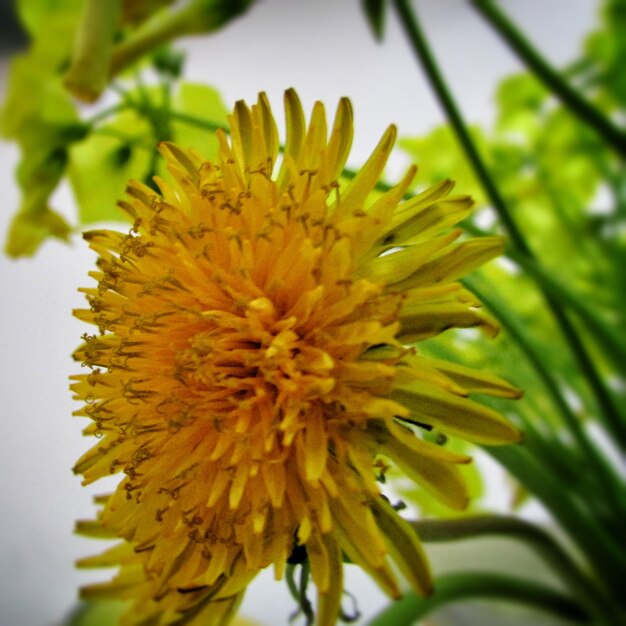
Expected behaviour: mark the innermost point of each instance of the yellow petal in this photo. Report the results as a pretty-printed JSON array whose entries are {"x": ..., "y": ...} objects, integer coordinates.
[
  {"x": 325, "y": 555},
  {"x": 471, "y": 379},
  {"x": 397, "y": 265},
  {"x": 296, "y": 129},
  {"x": 315, "y": 445},
  {"x": 458, "y": 261},
  {"x": 340, "y": 140},
  {"x": 116, "y": 555},
  {"x": 355, "y": 194},
  {"x": 440, "y": 478},
  {"x": 420, "y": 320},
  {"x": 456, "y": 416},
  {"x": 420, "y": 219},
  {"x": 404, "y": 546}
]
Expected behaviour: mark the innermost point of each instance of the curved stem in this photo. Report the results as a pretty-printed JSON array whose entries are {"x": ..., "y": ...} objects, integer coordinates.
[
  {"x": 108, "y": 112},
  {"x": 192, "y": 18},
  {"x": 470, "y": 585},
  {"x": 594, "y": 600},
  {"x": 88, "y": 73},
  {"x": 551, "y": 78},
  {"x": 600, "y": 548}
]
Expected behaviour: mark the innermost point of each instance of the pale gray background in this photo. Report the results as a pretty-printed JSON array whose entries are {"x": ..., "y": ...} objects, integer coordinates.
[{"x": 325, "y": 50}]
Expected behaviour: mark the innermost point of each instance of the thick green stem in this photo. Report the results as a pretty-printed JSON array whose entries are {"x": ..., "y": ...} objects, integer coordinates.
[
  {"x": 478, "y": 585},
  {"x": 537, "y": 539},
  {"x": 576, "y": 103},
  {"x": 89, "y": 72},
  {"x": 194, "y": 17},
  {"x": 608, "y": 408}
]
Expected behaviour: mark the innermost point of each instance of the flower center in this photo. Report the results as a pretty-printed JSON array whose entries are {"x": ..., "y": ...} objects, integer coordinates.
[{"x": 252, "y": 359}]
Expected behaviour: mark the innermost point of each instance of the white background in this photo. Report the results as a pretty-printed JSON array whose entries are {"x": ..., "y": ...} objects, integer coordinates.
[{"x": 325, "y": 50}]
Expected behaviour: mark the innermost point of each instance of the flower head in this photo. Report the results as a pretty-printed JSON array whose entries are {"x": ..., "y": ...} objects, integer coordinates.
[{"x": 253, "y": 359}]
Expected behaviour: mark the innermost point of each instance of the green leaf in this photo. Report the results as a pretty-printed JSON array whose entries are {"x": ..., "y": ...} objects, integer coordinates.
[
  {"x": 41, "y": 118},
  {"x": 375, "y": 13},
  {"x": 44, "y": 159},
  {"x": 199, "y": 101},
  {"x": 124, "y": 147},
  {"x": 34, "y": 90},
  {"x": 101, "y": 166},
  {"x": 438, "y": 156},
  {"x": 607, "y": 49},
  {"x": 520, "y": 98},
  {"x": 44, "y": 147}
]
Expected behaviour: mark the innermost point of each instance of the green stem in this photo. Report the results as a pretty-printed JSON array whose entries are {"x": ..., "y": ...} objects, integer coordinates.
[
  {"x": 290, "y": 577},
  {"x": 606, "y": 477},
  {"x": 604, "y": 334},
  {"x": 89, "y": 72},
  {"x": 193, "y": 18},
  {"x": 609, "y": 410},
  {"x": 198, "y": 122},
  {"x": 478, "y": 585},
  {"x": 551, "y": 78},
  {"x": 108, "y": 112},
  {"x": 601, "y": 492},
  {"x": 594, "y": 600},
  {"x": 602, "y": 551},
  {"x": 427, "y": 60}
]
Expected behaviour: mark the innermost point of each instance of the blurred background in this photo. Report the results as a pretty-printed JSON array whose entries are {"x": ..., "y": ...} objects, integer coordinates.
[{"x": 325, "y": 50}]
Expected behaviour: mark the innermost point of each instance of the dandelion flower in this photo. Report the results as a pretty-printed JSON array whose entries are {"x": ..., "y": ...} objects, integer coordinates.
[{"x": 253, "y": 359}]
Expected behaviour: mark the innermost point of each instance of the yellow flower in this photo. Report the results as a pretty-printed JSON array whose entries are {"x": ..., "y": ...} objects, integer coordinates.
[{"x": 253, "y": 361}]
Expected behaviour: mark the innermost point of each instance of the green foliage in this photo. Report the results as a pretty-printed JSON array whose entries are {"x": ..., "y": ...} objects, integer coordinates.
[
  {"x": 606, "y": 54},
  {"x": 102, "y": 164},
  {"x": 122, "y": 148},
  {"x": 100, "y": 155},
  {"x": 438, "y": 157},
  {"x": 203, "y": 102},
  {"x": 551, "y": 157},
  {"x": 41, "y": 118}
]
